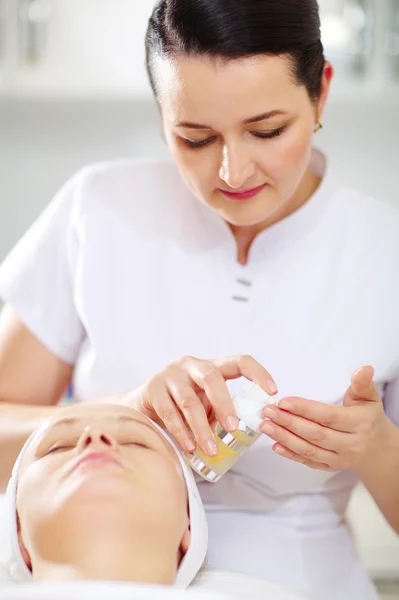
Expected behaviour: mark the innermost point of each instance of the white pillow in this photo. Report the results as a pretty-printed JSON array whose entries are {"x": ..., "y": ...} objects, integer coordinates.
[
  {"x": 213, "y": 586},
  {"x": 102, "y": 591}
]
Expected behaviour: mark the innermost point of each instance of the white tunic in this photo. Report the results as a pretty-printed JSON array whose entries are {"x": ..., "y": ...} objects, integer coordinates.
[{"x": 127, "y": 271}]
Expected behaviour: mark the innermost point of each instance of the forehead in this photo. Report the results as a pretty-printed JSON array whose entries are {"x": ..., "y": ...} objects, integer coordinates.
[
  {"x": 95, "y": 413},
  {"x": 256, "y": 84}
]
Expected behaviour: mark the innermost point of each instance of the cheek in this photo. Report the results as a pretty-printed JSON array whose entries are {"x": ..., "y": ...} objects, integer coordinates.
[
  {"x": 32, "y": 512},
  {"x": 168, "y": 480},
  {"x": 198, "y": 168},
  {"x": 38, "y": 492},
  {"x": 290, "y": 156}
]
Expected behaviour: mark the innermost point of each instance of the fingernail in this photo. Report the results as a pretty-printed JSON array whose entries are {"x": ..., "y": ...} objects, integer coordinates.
[
  {"x": 285, "y": 405},
  {"x": 267, "y": 428},
  {"x": 279, "y": 450},
  {"x": 211, "y": 448},
  {"x": 271, "y": 386},
  {"x": 189, "y": 445},
  {"x": 232, "y": 423},
  {"x": 270, "y": 411}
]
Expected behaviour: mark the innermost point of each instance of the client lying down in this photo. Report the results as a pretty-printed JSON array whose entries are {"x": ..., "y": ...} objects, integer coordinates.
[{"x": 101, "y": 493}]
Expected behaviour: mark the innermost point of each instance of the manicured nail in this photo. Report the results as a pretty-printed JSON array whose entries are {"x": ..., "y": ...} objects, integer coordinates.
[
  {"x": 232, "y": 423},
  {"x": 270, "y": 411},
  {"x": 271, "y": 386},
  {"x": 211, "y": 448},
  {"x": 189, "y": 445},
  {"x": 285, "y": 405},
  {"x": 267, "y": 428}
]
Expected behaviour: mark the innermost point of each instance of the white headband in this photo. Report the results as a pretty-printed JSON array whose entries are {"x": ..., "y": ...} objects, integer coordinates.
[{"x": 190, "y": 564}]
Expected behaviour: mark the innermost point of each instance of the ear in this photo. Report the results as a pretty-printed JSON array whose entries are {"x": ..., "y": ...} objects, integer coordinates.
[
  {"x": 22, "y": 547},
  {"x": 186, "y": 539},
  {"x": 327, "y": 77}
]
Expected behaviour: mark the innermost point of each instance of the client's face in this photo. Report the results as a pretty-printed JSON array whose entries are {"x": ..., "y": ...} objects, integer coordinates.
[{"x": 99, "y": 470}]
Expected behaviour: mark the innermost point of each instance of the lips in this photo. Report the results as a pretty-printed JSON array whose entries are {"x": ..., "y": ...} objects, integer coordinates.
[
  {"x": 97, "y": 458},
  {"x": 245, "y": 194}
]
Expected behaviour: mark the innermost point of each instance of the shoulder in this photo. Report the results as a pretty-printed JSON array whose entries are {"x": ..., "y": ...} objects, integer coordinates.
[
  {"x": 363, "y": 208},
  {"x": 363, "y": 221},
  {"x": 136, "y": 182},
  {"x": 131, "y": 200}
]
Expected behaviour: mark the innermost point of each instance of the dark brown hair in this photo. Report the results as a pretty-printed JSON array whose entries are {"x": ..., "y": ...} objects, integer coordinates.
[{"x": 234, "y": 29}]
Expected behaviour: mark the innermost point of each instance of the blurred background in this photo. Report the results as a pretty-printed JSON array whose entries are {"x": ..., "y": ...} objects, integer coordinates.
[{"x": 73, "y": 90}]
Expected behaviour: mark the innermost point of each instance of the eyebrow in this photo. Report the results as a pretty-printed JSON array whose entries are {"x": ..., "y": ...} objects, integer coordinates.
[{"x": 257, "y": 119}]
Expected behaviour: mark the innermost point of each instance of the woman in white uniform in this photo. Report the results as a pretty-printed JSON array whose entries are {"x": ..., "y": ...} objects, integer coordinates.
[{"x": 245, "y": 243}]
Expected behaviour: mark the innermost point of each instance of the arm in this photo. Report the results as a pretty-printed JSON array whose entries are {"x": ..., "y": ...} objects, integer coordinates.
[
  {"x": 380, "y": 471},
  {"x": 32, "y": 381}
]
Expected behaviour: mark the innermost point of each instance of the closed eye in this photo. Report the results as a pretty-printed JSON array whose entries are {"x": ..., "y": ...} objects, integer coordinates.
[
  {"x": 267, "y": 135},
  {"x": 54, "y": 449},
  {"x": 137, "y": 444},
  {"x": 199, "y": 144}
]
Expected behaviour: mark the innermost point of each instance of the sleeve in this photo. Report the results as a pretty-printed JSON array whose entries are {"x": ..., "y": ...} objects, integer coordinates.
[
  {"x": 37, "y": 277},
  {"x": 391, "y": 400}
]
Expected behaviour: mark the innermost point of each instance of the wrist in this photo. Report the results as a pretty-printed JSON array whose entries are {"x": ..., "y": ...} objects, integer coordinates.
[{"x": 381, "y": 445}]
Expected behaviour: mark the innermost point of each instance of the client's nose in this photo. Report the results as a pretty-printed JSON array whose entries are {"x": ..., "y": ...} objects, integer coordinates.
[{"x": 96, "y": 437}]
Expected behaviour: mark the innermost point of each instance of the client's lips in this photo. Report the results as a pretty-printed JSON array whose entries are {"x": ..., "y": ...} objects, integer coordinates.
[{"x": 99, "y": 458}]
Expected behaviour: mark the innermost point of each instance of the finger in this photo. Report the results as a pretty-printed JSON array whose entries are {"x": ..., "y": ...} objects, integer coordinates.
[
  {"x": 333, "y": 417},
  {"x": 362, "y": 388},
  {"x": 297, "y": 444},
  {"x": 312, "y": 432},
  {"x": 194, "y": 413},
  {"x": 245, "y": 365},
  {"x": 168, "y": 414},
  {"x": 285, "y": 453},
  {"x": 209, "y": 378}
]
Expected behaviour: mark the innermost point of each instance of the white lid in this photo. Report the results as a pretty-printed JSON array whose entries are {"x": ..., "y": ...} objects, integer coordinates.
[{"x": 250, "y": 402}]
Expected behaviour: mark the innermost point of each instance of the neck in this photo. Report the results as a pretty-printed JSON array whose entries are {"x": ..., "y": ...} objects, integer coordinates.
[
  {"x": 108, "y": 561},
  {"x": 245, "y": 236}
]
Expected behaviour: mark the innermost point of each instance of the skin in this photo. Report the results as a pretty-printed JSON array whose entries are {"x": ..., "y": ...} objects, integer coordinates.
[{"x": 101, "y": 520}]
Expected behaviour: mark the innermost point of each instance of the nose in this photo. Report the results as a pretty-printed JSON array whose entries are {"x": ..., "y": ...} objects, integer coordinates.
[
  {"x": 237, "y": 166},
  {"x": 96, "y": 437}
]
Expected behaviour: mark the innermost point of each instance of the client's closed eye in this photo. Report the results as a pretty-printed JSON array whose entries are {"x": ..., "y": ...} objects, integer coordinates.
[
  {"x": 59, "y": 448},
  {"x": 136, "y": 444}
]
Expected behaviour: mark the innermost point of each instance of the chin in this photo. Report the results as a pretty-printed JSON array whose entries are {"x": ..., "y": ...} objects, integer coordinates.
[
  {"x": 96, "y": 485},
  {"x": 247, "y": 216},
  {"x": 246, "y": 213}
]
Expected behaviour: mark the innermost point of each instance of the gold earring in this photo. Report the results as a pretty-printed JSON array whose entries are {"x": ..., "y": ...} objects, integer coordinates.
[{"x": 318, "y": 126}]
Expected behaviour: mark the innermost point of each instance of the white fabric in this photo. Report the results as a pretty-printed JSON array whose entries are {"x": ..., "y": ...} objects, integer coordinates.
[
  {"x": 210, "y": 585},
  {"x": 191, "y": 563},
  {"x": 126, "y": 271},
  {"x": 103, "y": 591}
]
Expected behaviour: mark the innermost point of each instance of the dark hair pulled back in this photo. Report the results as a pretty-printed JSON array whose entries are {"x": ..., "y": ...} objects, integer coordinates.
[{"x": 234, "y": 29}]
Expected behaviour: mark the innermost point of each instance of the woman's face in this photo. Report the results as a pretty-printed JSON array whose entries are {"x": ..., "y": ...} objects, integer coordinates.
[
  {"x": 237, "y": 126},
  {"x": 96, "y": 468}
]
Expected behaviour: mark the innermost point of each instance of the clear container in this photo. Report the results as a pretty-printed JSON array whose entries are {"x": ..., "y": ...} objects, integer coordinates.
[{"x": 249, "y": 404}]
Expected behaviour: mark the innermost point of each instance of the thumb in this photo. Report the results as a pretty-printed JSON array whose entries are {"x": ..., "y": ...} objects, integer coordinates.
[{"x": 362, "y": 388}]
